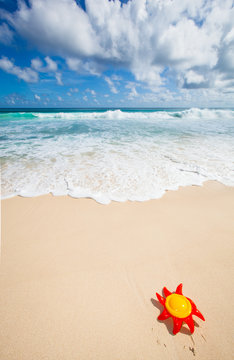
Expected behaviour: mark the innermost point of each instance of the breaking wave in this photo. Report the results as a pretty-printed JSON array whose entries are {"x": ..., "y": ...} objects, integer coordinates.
[
  {"x": 117, "y": 154},
  {"x": 117, "y": 114}
]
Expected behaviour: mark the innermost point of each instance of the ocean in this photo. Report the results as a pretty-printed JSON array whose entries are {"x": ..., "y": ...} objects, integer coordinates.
[{"x": 114, "y": 154}]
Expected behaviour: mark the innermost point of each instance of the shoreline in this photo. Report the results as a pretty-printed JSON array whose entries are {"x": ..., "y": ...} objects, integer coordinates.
[
  {"x": 78, "y": 279},
  {"x": 204, "y": 183}
]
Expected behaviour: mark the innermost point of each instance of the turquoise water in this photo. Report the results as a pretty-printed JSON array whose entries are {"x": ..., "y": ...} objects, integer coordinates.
[{"x": 114, "y": 154}]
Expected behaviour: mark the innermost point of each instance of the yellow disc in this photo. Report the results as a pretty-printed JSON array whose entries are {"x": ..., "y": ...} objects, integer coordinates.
[{"x": 178, "y": 305}]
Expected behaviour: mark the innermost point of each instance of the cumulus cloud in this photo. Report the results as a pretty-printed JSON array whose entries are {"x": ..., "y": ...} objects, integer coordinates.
[
  {"x": 50, "y": 67},
  {"x": 15, "y": 99},
  {"x": 225, "y": 63},
  {"x": 26, "y": 74},
  {"x": 111, "y": 84},
  {"x": 133, "y": 92},
  {"x": 193, "y": 80},
  {"x": 37, "y": 97},
  {"x": 51, "y": 64},
  {"x": 91, "y": 91},
  {"x": 116, "y": 77},
  {"x": 37, "y": 64},
  {"x": 58, "y": 77},
  {"x": 58, "y": 26},
  {"x": 6, "y": 35},
  {"x": 194, "y": 39},
  {"x": 74, "y": 90},
  {"x": 85, "y": 66},
  {"x": 30, "y": 74}
]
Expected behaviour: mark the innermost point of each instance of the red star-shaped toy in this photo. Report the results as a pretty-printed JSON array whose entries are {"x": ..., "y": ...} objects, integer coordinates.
[{"x": 180, "y": 308}]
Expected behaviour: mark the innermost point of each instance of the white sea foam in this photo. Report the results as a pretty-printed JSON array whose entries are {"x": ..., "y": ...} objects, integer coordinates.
[
  {"x": 193, "y": 113},
  {"x": 115, "y": 155}
]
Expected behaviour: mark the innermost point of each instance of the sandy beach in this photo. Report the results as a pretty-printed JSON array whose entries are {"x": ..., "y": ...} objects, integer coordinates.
[{"x": 78, "y": 279}]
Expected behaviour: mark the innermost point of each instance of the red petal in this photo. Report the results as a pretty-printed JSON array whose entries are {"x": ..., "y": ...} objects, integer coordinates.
[
  {"x": 160, "y": 299},
  {"x": 164, "y": 315},
  {"x": 177, "y": 325},
  {"x": 179, "y": 289},
  {"x": 190, "y": 323},
  {"x": 166, "y": 292},
  {"x": 199, "y": 314},
  {"x": 193, "y": 305}
]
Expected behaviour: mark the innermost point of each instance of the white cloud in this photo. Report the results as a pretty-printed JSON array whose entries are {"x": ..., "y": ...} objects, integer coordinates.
[
  {"x": 85, "y": 98},
  {"x": 6, "y": 35},
  {"x": 85, "y": 66},
  {"x": 74, "y": 90},
  {"x": 194, "y": 80},
  {"x": 132, "y": 86},
  {"x": 189, "y": 97},
  {"x": 30, "y": 74},
  {"x": 142, "y": 36},
  {"x": 15, "y": 98},
  {"x": 111, "y": 84},
  {"x": 37, "y": 64},
  {"x": 74, "y": 64},
  {"x": 50, "y": 67},
  {"x": 116, "y": 77},
  {"x": 37, "y": 97},
  {"x": 91, "y": 91},
  {"x": 164, "y": 96},
  {"x": 58, "y": 77},
  {"x": 51, "y": 64},
  {"x": 193, "y": 77},
  {"x": 60, "y": 98},
  {"x": 26, "y": 74},
  {"x": 58, "y": 26}
]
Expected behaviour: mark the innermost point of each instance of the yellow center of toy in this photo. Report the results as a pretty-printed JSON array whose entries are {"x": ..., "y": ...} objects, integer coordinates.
[{"x": 178, "y": 305}]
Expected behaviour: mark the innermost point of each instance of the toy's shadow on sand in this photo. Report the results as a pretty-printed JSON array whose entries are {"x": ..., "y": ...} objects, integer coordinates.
[{"x": 168, "y": 323}]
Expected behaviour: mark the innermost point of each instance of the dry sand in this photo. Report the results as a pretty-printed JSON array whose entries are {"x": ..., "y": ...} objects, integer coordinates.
[{"x": 78, "y": 279}]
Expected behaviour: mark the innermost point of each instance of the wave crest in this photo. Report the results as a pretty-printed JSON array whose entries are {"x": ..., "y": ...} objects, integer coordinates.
[{"x": 121, "y": 114}]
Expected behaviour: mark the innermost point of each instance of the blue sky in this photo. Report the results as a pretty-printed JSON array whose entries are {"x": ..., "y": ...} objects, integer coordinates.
[{"x": 101, "y": 53}]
